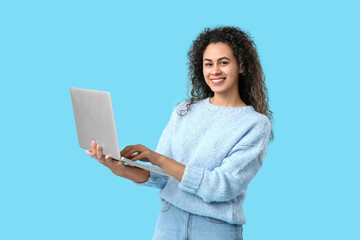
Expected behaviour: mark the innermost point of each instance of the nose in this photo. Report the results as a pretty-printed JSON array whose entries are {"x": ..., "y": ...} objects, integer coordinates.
[{"x": 215, "y": 70}]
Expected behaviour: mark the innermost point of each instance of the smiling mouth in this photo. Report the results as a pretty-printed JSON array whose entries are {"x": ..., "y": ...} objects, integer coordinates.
[{"x": 217, "y": 80}]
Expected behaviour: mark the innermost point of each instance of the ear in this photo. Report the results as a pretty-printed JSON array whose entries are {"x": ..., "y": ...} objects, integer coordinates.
[{"x": 240, "y": 68}]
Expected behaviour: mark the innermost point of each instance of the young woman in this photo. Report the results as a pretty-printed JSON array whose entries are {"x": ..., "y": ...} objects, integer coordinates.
[{"x": 213, "y": 145}]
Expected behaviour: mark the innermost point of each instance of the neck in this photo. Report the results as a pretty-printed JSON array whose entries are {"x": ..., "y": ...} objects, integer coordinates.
[{"x": 227, "y": 101}]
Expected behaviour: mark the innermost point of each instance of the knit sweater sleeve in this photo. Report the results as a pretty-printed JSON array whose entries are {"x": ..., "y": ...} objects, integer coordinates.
[
  {"x": 236, "y": 171},
  {"x": 163, "y": 148}
]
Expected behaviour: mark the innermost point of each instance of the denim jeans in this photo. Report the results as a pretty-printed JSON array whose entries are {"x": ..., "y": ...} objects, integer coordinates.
[{"x": 176, "y": 224}]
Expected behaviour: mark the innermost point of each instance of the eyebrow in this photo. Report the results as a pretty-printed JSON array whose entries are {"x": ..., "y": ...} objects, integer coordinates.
[{"x": 206, "y": 59}]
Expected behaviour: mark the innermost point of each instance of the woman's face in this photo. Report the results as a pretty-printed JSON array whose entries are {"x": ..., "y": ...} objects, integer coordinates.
[{"x": 220, "y": 69}]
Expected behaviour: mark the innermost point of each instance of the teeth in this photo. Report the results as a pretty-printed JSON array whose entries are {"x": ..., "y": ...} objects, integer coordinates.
[{"x": 218, "y": 80}]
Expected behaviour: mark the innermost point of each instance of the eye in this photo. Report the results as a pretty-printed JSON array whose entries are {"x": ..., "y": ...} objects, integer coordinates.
[
  {"x": 208, "y": 64},
  {"x": 224, "y": 63}
]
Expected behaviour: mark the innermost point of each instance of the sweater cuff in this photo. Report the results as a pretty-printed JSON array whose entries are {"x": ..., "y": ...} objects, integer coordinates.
[
  {"x": 152, "y": 180},
  {"x": 191, "y": 179}
]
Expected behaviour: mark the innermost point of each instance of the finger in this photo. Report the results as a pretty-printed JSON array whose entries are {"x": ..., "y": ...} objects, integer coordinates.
[
  {"x": 120, "y": 163},
  {"x": 109, "y": 161},
  {"x": 134, "y": 155},
  {"x": 140, "y": 157},
  {"x": 130, "y": 151},
  {"x": 126, "y": 150},
  {"x": 93, "y": 147},
  {"x": 104, "y": 160},
  {"x": 99, "y": 154},
  {"x": 90, "y": 153}
]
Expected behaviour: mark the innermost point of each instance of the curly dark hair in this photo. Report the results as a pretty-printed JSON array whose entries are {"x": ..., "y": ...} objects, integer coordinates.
[{"x": 252, "y": 87}]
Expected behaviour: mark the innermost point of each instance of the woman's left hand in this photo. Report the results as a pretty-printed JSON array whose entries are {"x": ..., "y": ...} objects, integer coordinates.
[{"x": 142, "y": 153}]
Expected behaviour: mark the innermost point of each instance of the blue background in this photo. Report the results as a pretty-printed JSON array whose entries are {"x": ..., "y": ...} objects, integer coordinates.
[{"x": 50, "y": 189}]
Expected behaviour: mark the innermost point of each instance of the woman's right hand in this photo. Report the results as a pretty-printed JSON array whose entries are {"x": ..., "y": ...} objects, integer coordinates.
[{"x": 117, "y": 167}]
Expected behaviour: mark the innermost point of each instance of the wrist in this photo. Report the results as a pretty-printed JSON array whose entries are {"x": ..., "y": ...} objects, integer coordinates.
[
  {"x": 135, "y": 174},
  {"x": 161, "y": 160}
]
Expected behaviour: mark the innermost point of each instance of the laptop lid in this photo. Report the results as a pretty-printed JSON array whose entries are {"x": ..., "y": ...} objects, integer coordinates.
[{"x": 94, "y": 119}]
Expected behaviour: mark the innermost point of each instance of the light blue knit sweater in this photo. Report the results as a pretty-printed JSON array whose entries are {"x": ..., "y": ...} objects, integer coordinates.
[{"x": 222, "y": 148}]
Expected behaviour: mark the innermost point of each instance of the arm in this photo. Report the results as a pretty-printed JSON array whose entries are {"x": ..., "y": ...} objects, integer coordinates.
[
  {"x": 118, "y": 167},
  {"x": 140, "y": 152},
  {"x": 224, "y": 182},
  {"x": 236, "y": 171},
  {"x": 137, "y": 175},
  {"x": 163, "y": 151}
]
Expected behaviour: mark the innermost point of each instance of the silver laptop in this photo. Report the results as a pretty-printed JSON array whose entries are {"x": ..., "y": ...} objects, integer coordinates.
[{"x": 94, "y": 119}]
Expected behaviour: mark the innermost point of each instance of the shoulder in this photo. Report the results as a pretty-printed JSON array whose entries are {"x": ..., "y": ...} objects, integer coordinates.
[
  {"x": 256, "y": 129},
  {"x": 262, "y": 120},
  {"x": 255, "y": 119},
  {"x": 184, "y": 107},
  {"x": 179, "y": 109}
]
